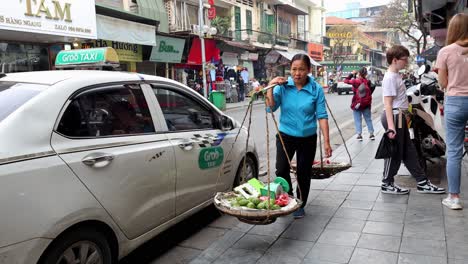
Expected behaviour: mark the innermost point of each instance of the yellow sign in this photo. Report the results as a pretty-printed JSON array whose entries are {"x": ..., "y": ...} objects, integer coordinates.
[
  {"x": 127, "y": 52},
  {"x": 340, "y": 35}
]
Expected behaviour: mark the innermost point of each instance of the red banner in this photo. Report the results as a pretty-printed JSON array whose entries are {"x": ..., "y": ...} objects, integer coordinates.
[
  {"x": 211, "y": 13},
  {"x": 211, "y": 51}
]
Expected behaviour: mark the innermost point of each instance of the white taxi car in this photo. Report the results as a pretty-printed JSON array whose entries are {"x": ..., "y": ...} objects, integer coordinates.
[{"x": 94, "y": 163}]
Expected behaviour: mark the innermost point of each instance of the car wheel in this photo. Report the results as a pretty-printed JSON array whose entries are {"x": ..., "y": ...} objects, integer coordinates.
[
  {"x": 251, "y": 172},
  {"x": 79, "y": 246},
  {"x": 339, "y": 93},
  {"x": 347, "y": 92}
]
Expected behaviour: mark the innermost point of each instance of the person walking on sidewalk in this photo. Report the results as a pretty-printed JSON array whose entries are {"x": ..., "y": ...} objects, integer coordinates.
[
  {"x": 361, "y": 102},
  {"x": 452, "y": 64},
  {"x": 302, "y": 103},
  {"x": 394, "y": 121}
]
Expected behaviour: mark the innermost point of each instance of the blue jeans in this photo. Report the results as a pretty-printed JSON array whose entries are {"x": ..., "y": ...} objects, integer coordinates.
[
  {"x": 358, "y": 120},
  {"x": 456, "y": 116}
]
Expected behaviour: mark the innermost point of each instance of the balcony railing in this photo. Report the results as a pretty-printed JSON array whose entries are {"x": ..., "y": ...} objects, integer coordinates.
[{"x": 251, "y": 36}]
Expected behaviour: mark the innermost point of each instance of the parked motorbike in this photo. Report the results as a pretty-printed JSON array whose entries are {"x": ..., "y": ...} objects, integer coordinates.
[{"x": 426, "y": 101}]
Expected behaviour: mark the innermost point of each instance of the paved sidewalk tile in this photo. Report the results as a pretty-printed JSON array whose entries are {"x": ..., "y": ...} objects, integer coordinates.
[
  {"x": 391, "y": 217},
  {"x": 276, "y": 258},
  {"x": 435, "y": 248},
  {"x": 255, "y": 242},
  {"x": 361, "y": 255},
  {"x": 389, "y": 207},
  {"x": 337, "y": 237},
  {"x": 332, "y": 253},
  {"x": 352, "y": 213},
  {"x": 293, "y": 248},
  {"x": 303, "y": 231},
  {"x": 383, "y": 228},
  {"x": 379, "y": 242},
  {"x": 239, "y": 256},
  {"x": 404, "y": 258},
  {"x": 346, "y": 224},
  {"x": 364, "y": 205}
]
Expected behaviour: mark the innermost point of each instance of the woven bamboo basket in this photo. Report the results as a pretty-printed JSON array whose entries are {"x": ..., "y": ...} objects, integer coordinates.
[
  {"x": 253, "y": 216},
  {"x": 325, "y": 170}
]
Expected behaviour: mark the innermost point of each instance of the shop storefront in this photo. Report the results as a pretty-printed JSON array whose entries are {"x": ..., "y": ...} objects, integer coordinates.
[
  {"x": 127, "y": 38},
  {"x": 164, "y": 56},
  {"x": 33, "y": 32},
  {"x": 194, "y": 62},
  {"x": 129, "y": 54}
]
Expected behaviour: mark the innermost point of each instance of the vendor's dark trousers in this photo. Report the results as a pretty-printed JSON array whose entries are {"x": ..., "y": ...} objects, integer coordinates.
[
  {"x": 304, "y": 147},
  {"x": 406, "y": 151}
]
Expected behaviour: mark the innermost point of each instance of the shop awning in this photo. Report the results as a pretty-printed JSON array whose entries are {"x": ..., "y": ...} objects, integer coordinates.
[
  {"x": 240, "y": 45},
  {"x": 293, "y": 9},
  {"x": 291, "y": 53},
  {"x": 155, "y": 9},
  {"x": 115, "y": 29},
  {"x": 211, "y": 51}
]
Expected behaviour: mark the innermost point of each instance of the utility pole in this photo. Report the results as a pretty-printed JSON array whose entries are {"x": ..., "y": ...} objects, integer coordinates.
[{"x": 202, "y": 42}]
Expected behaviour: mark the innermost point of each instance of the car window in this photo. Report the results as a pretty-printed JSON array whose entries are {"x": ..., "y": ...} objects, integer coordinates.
[
  {"x": 13, "y": 95},
  {"x": 182, "y": 112},
  {"x": 110, "y": 111}
]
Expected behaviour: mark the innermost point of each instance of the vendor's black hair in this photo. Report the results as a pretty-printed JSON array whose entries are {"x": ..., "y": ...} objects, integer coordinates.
[{"x": 303, "y": 57}]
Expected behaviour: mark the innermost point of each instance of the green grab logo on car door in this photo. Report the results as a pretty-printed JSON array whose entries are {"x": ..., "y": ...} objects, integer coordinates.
[{"x": 210, "y": 157}]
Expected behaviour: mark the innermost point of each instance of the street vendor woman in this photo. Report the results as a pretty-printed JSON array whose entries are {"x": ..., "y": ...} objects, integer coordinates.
[{"x": 302, "y": 103}]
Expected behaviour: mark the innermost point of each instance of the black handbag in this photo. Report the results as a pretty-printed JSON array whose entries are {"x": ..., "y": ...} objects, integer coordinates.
[{"x": 387, "y": 148}]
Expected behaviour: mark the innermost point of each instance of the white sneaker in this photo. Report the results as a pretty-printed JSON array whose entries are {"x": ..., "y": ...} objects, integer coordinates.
[{"x": 452, "y": 203}]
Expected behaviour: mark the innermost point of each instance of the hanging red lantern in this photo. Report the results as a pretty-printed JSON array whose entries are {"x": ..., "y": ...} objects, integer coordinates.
[{"x": 211, "y": 12}]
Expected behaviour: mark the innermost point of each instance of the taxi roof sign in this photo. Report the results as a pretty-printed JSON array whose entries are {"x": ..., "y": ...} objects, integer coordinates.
[{"x": 87, "y": 58}]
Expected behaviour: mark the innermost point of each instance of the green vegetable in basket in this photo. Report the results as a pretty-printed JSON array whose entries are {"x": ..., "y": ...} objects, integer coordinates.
[
  {"x": 238, "y": 198},
  {"x": 276, "y": 207},
  {"x": 261, "y": 206},
  {"x": 251, "y": 205},
  {"x": 243, "y": 202},
  {"x": 255, "y": 200},
  {"x": 235, "y": 204}
]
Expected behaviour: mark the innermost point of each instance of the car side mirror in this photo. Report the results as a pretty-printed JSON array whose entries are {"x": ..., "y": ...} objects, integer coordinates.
[{"x": 226, "y": 123}]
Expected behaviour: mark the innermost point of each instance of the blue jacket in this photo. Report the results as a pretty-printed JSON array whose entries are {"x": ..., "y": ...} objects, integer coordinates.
[{"x": 300, "y": 109}]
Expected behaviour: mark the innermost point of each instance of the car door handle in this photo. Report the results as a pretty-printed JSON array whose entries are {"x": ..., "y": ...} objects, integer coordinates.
[
  {"x": 186, "y": 145},
  {"x": 94, "y": 159}
]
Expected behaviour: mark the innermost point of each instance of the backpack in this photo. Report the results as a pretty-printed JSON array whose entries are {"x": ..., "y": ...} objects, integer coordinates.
[{"x": 362, "y": 98}]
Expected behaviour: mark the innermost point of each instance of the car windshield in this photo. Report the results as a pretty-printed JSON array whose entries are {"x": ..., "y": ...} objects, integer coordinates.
[{"x": 13, "y": 95}]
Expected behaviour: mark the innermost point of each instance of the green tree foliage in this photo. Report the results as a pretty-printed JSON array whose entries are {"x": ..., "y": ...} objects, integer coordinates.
[
  {"x": 222, "y": 24},
  {"x": 396, "y": 16}
]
